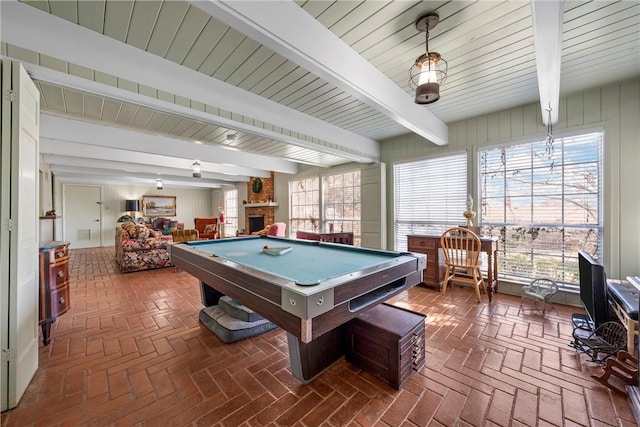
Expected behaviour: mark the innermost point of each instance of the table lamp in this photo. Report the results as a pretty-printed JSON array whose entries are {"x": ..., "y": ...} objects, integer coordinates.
[{"x": 132, "y": 206}]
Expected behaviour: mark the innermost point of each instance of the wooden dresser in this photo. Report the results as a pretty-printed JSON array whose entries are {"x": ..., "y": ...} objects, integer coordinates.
[
  {"x": 433, "y": 275},
  {"x": 54, "y": 284}
]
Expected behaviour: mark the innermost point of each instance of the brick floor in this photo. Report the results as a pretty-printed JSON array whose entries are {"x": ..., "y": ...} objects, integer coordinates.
[{"x": 131, "y": 352}]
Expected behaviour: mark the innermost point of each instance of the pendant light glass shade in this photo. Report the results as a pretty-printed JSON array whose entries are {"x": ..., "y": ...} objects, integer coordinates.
[
  {"x": 429, "y": 70},
  {"x": 158, "y": 184}
]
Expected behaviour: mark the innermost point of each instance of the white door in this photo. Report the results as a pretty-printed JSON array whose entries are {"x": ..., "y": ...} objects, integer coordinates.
[
  {"x": 81, "y": 213},
  {"x": 19, "y": 234}
]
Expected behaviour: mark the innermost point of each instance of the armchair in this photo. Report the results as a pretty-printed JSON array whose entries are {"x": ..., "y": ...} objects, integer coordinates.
[
  {"x": 140, "y": 248},
  {"x": 207, "y": 227}
]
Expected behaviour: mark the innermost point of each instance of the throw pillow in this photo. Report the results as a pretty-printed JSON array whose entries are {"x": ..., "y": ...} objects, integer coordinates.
[{"x": 209, "y": 228}]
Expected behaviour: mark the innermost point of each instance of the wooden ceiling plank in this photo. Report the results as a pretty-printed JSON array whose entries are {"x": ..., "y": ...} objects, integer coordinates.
[
  {"x": 243, "y": 52},
  {"x": 190, "y": 29},
  {"x": 126, "y": 114},
  {"x": 222, "y": 51},
  {"x": 170, "y": 19},
  {"x": 116, "y": 19},
  {"x": 73, "y": 101},
  {"x": 200, "y": 50},
  {"x": 92, "y": 106},
  {"x": 143, "y": 20},
  {"x": 91, "y": 15}
]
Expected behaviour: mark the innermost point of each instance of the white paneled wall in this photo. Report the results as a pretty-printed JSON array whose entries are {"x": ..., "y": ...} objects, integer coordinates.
[
  {"x": 614, "y": 109},
  {"x": 190, "y": 203}
]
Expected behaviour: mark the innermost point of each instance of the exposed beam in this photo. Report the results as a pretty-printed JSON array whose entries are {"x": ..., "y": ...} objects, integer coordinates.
[
  {"x": 27, "y": 27},
  {"x": 73, "y": 176},
  {"x": 287, "y": 29},
  {"x": 138, "y": 168},
  {"x": 182, "y": 153},
  {"x": 547, "y": 18}
]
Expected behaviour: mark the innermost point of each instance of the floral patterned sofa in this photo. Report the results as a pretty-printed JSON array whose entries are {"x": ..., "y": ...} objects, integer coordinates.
[{"x": 140, "y": 248}]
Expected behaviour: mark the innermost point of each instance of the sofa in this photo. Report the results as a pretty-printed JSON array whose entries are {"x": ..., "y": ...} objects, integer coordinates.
[
  {"x": 141, "y": 248},
  {"x": 207, "y": 227}
]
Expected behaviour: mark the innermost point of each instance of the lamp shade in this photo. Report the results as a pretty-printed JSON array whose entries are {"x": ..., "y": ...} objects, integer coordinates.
[{"x": 132, "y": 205}]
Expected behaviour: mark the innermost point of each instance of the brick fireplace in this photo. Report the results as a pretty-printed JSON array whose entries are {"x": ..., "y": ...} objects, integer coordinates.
[{"x": 261, "y": 202}]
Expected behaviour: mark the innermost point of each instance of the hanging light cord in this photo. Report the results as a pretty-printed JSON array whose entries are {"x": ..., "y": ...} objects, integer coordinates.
[{"x": 549, "y": 141}]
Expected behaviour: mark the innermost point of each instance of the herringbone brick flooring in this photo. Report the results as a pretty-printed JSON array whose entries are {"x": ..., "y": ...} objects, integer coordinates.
[{"x": 131, "y": 352}]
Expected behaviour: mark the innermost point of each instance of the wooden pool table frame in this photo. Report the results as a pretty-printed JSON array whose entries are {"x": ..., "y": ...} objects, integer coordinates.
[{"x": 314, "y": 335}]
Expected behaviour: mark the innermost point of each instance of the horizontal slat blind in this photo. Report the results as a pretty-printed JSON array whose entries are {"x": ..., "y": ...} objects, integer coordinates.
[
  {"x": 429, "y": 196},
  {"x": 544, "y": 202}
]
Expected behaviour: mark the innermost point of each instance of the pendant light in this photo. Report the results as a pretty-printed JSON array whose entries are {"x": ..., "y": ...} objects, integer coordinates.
[{"x": 429, "y": 70}]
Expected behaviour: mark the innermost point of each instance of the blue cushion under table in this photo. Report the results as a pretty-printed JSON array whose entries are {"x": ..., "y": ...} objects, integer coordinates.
[{"x": 230, "y": 329}]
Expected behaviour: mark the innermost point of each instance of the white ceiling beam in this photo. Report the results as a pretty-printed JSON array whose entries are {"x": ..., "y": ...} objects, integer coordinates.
[
  {"x": 30, "y": 28},
  {"x": 182, "y": 153},
  {"x": 286, "y": 28},
  {"x": 54, "y": 77},
  {"x": 72, "y": 176},
  {"x": 131, "y": 168},
  {"x": 547, "y": 18},
  {"x": 143, "y": 177},
  {"x": 84, "y": 151}
]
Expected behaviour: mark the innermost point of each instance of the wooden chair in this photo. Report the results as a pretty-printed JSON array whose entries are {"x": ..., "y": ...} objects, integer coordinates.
[
  {"x": 624, "y": 366},
  {"x": 461, "y": 249}
]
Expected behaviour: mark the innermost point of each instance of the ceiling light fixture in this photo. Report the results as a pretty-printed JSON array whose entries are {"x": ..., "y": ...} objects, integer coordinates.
[
  {"x": 196, "y": 170},
  {"x": 549, "y": 141},
  {"x": 158, "y": 184},
  {"x": 429, "y": 70}
]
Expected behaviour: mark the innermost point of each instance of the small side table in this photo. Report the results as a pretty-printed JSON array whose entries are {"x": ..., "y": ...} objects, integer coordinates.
[{"x": 54, "y": 285}]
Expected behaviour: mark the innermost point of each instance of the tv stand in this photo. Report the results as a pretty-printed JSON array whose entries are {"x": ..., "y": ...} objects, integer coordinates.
[{"x": 582, "y": 321}]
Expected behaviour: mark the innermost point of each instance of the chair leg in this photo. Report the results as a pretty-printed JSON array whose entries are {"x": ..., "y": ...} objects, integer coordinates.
[
  {"x": 447, "y": 276},
  {"x": 477, "y": 282}
]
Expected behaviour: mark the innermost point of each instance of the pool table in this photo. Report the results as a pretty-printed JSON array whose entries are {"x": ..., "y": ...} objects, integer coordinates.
[{"x": 309, "y": 291}]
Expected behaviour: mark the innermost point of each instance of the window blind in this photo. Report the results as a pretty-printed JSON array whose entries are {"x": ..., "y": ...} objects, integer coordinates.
[
  {"x": 545, "y": 203},
  {"x": 429, "y": 196}
]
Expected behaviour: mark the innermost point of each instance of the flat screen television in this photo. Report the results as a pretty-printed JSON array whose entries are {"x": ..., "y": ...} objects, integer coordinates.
[{"x": 593, "y": 289}]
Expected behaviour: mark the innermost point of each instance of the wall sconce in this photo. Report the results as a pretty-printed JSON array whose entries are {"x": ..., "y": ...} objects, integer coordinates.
[
  {"x": 196, "y": 170},
  {"x": 158, "y": 184},
  {"x": 429, "y": 70}
]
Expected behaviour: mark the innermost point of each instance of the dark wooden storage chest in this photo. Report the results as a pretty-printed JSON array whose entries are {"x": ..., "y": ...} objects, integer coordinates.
[{"x": 387, "y": 342}]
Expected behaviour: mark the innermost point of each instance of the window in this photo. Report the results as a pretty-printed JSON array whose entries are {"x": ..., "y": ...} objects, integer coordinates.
[
  {"x": 304, "y": 196},
  {"x": 339, "y": 207},
  {"x": 230, "y": 212},
  {"x": 429, "y": 196},
  {"x": 545, "y": 203},
  {"x": 341, "y": 203}
]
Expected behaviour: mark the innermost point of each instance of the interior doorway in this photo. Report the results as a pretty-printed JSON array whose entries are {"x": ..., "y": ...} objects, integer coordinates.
[{"x": 82, "y": 215}]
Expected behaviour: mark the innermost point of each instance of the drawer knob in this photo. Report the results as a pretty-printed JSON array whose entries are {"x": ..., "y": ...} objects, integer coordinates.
[
  {"x": 422, "y": 243},
  {"x": 61, "y": 300},
  {"x": 60, "y": 273}
]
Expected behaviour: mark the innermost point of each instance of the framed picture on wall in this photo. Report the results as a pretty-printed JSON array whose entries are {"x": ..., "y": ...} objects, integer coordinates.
[{"x": 159, "y": 205}]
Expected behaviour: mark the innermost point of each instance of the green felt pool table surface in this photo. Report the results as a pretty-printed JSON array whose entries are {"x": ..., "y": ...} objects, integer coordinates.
[{"x": 307, "y": 263}]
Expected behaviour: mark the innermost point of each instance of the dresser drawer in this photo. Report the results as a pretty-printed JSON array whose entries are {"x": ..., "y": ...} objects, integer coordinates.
[
  {"x": 59, "y": 274},
  {"x": 421, "y": 243},
  {"x": 59, "y": 301}
]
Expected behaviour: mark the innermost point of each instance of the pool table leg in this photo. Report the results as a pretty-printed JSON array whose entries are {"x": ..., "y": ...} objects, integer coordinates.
[
  {"x": 208, "y": 295},
  {"x": 310, "y": 359}
]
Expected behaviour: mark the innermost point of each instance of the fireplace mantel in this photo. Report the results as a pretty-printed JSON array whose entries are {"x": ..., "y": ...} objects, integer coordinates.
[{"x": 260, "y": 205}]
